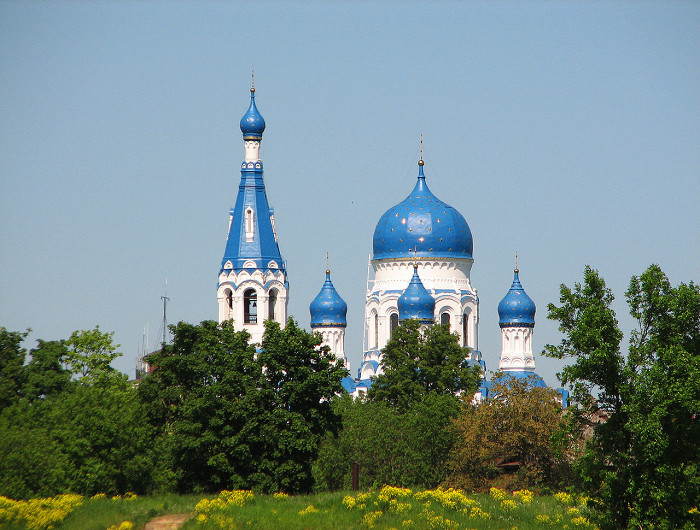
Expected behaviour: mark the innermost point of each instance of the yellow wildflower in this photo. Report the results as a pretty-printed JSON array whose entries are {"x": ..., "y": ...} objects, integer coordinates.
[
  {"x": 498, "y": 494},
  {"x": 508, "y": 505},
  {"x": 563, "y": 498},
  {"x": 309, "y": 509},
  {"x": 525, "y": 496},
  {"x": 370, "y": 518}
]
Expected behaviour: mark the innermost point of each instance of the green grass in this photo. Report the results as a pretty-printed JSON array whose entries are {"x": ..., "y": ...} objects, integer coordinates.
[
  {"x": 99, "y": 514},
  {"x": 398, "y": 509}
]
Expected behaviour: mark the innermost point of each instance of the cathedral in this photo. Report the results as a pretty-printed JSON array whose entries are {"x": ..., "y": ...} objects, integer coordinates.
[{"x": 421, "y": 260}]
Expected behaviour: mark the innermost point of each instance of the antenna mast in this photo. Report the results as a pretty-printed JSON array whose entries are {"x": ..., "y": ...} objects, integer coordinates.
[{"x": 165, "y": 304}]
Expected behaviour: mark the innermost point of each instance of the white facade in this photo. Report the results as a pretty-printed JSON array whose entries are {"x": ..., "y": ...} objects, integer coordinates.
[
  {"x": 334, "y": 338},
  {"x": 516, "y": 349},
  {"x": 235, "y": 300},
  {"x": 448, "y": 280}
]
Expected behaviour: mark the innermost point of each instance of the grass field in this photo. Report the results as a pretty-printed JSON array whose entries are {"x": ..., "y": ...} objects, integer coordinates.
[{"x": 388, "y": 507}]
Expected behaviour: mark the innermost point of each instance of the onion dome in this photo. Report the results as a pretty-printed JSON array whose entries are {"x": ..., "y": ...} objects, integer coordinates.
[
  {"x": 328, "y": 308},
  {"x": 516, "y": 309},
  {"x": 416, "y": 302},
  {"x": 252, "y": 122},
  {"x": 422, "y": 225}
]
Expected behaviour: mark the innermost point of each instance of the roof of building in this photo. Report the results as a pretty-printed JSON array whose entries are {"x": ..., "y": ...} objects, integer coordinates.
[
  {"x": 416, "y": 301},
  {"x": 422, "y": 226},
  {"x": 251, "y": 242},
  {"x": 252, "y": 122},
  {"x": 516, "y": 308},
  {"x": 328, "y": 308}
]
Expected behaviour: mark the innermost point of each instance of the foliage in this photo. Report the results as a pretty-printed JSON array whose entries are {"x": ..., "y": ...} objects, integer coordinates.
[
  {"x": 520, "y": 423},
  {"x": 12, "y": 374},
  {"x": 45, "y": 376},
  {"x": 641, "y": 467},
  {"x": 61, "y": 435},
  {"x": 229, "y": 417},
  {"x": 418, "y": 362},
  {"x": 403, "y": 447},
  {"x": 89, "y": 354}
]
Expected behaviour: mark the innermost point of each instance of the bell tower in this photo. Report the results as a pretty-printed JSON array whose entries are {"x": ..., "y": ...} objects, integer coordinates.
[{"x": 252, "y": 283}]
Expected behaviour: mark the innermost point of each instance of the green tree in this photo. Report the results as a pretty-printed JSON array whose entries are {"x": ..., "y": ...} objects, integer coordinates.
[
  {"x": 89, "y": 354},
  {"x": 642, "y": 465},
  {"x": 230, "y": 417},
  {"x": 520, "y": 422},
  {"x": 12, "y": 373},
  {"x": 45, "y": 375},
  {"x": 408, "y": 447},
  {"x": 418, "y": 362},
  {"x": 64, "y": 435}
]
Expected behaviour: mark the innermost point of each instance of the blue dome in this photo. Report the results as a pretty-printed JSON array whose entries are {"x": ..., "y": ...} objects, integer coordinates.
[
  {"x": 328, "y": 308},
  {"x": 252, "y": 122},
  {"x": 516, "y": 308},
  {"x": 424, "y": 223},
  {"x": 416, "y": 302}
]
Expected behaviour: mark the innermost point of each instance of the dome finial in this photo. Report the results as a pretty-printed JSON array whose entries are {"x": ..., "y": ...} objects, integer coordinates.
[
  {"x": 252, "y": 80},
  {"x": 328, "y": 264},
  {"x": 420, "y": 162},
  {"x": 516, "y": 263},
  {"x": 252, "y": 122}
]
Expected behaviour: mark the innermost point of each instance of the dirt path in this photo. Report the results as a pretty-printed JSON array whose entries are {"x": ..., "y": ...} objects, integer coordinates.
[{"x": 168, "y": 522}]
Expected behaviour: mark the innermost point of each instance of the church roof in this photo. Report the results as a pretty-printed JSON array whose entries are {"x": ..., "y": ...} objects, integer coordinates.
[
  {"x": 328, "y": 308},
  {"x": 516, "y": 308},
  {"x": 252, "y": 243},
  {"x": 252, "y": 122},
  {"x": 416, "y": 301},
  {"x": 422, "y": 225}
]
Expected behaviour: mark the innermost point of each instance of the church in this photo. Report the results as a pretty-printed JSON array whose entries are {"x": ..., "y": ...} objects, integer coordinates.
[{"x": 422, "y": 260}]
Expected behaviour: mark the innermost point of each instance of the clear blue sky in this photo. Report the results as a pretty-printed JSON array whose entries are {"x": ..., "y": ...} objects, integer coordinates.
[{"x": 567, "y": 131}]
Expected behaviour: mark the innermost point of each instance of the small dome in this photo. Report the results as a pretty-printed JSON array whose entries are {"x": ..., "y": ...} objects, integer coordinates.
[
  {"x": 423, "y": 223},
  {"x": 328, "y": 308},
  {"x": 516, "y": 308},
  {"x": 252, "y": 122},
  {"x": 416, "y": 301}
]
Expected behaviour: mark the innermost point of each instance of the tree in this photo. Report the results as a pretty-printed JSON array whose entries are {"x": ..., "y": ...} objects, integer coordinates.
[
  {"x": 520, "y": 423},
  {"x": 231, "y": 417},
  {"x": 89, "y": 354},
  {"x": 63, "y": 435},
  {"x": 418, "y": 362},
  {"x": 642, "y": 467},
  {"x": 12, "y": 374},
  {"x": 407, "y": 447},
  {"x": 45, "y": 376}
]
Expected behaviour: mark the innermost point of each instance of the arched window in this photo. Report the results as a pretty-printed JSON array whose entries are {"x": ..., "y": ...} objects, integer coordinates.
[
  {"x": 249, "y": 224},
  {"x": 250, "y": 307},
  {"x": 445, "y": 318},
  {"x": 229, "y": 298},
  {"x": 393, "y": 323},
  {"x": 465, "y": 330},
  {"x": 376, "y": 330},
  {"x": 272, "y": 305}
]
